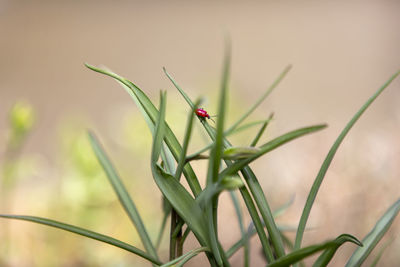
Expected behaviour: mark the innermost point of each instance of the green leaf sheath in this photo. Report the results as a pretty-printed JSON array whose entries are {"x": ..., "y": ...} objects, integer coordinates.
[
  {"x": 374, "y": 236},
  {"x": 86, "y": 233},
  {"x": 123, "y": 195},
  {"x": 144, "y": 104},
  {"x": 325, "y": 165}
]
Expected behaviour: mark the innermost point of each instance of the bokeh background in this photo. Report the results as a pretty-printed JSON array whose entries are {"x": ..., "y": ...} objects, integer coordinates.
[{"x": 341, "y": 52}]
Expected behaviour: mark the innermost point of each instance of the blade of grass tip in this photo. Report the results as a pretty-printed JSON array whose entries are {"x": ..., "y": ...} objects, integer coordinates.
[
  {"x": 144, "y": 104},
  {"x": 243, "y": 232},
  {"x": 87, "y": 233},
  {"x": 303, "y": 253},
  {"x": 262, "y": 98},
  {"x": 185, "y": 96},
  {"x": 122, "y": 193},
  {"x": 186, "y": 256},
  {"x": 261, "y": 131},
  {"x": 325, "y": 165},
  {"x": 374, "y": 236},
  {"x": 180, "y": 199}
]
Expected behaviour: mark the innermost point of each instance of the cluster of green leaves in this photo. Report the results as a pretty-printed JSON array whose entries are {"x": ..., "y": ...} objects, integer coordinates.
[{"x": 196, "y": 211}]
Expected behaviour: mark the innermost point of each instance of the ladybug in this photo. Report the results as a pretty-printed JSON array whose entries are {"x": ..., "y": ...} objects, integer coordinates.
[{"x": 202, "y": 114}]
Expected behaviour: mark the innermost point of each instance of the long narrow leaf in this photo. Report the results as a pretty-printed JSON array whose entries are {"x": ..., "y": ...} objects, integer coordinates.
[
  {"x": 261, "y": 131},
  {"x": 185, "y": 257},
  {"x": 262, "y": 98},
  {"x": 246, "y": 243},
  {"x": 86, "y": 233},
  {"x": 373, "y": 237},
  {"x": 302, "y": 253},
  {"x": 325, "y": 165},
  {"x": 238, "y": 165},
  {"x": 122, "y": 194}
]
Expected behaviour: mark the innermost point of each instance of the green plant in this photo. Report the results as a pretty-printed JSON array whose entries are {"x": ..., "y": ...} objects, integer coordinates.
[{"x": 196, "y": 211}]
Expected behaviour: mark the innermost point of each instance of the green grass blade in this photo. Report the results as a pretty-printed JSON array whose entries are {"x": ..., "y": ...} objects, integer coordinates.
[
  {"x": 188, "y": 133},
  {"x": 261, "y": 131},
  {"x": 302, "y": 253},
  {"x": 162, "y": 229},
  {"x": 183, "y": 93},
  {"x": 144, "y": 104},
  {"x": 180, "y": 199},
  {"x": 246, "y": 244},
  {"x": 215, "y": 162},
  {"x": 325, "y": 165},
  {"x": 186, "y": 257},
  {"x": 265, "y": 211},
  {"x": 122, "y": 194},
  {"x": 262, "y": 98},
  {"x": 86, "y": 233},
  {"x": 271, "y": 145},
  {"x": 259, "y": 228},
  {"x": 374, "y": 236}
]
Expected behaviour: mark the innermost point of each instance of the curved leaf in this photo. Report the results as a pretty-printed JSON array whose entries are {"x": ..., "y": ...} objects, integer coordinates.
[
  {"x": 86, "y": 233},
  {"x": 123, "y": 195},
  {"x": 185, "y": 257},
  {"x": 373, "y": 237},
  {"x": 302, "y": 253},
  {"x": 271, "y": 145},
  {"x": 325, "y": 165}
]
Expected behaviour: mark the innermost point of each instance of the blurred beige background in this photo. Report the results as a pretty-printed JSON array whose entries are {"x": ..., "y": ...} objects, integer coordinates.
[{"x": 341, "y": 52}]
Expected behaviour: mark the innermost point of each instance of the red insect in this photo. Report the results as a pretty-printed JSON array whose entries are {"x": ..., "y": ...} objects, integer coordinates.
[{"x": 201, "y": 113}]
